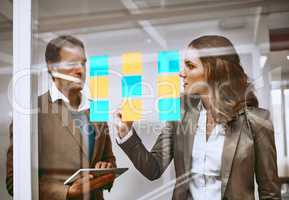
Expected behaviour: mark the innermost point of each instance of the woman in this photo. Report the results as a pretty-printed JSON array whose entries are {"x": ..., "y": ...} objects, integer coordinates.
[{"x": 223, "y": 139}]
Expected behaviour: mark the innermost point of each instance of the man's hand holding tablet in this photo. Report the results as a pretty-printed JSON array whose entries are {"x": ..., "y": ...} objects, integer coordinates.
[{"x": 89, "y": 182}]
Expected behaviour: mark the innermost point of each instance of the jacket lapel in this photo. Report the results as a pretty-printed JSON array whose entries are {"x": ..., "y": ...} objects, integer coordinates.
[
  {"x": 100, "y": 138},
  {"x": 67, "y": 122},
  {"x": 100, "y": 129},
  {"x": 189, "y": 125},
  {"x": 232, "y": 137}
]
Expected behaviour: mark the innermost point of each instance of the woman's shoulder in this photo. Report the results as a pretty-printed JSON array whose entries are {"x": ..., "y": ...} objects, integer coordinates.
[
  {"x": 258, "y": 112},
  {"x": 261, "y": 112},
  {"x": 259, "y": 117}
]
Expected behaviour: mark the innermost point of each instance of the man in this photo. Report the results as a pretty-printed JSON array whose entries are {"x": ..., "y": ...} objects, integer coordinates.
[{"x": 67, "y": 140}]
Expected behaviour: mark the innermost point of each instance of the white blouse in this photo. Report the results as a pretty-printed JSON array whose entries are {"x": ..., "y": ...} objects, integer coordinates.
[{"x": 206, "y": 160}]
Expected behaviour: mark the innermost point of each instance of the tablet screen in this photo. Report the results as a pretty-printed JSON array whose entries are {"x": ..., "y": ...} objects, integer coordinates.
[{"x": 95, "y": 172}]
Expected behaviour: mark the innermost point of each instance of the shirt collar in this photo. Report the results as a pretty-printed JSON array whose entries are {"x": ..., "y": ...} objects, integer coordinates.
[
  {"x": 56, "y": 94},
  {"x": 200, "y": 106}
]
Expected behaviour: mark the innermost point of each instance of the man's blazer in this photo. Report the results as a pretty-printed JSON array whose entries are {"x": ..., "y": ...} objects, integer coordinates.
[
  {"x": 62, "y": 150},
  {"x": 247, "y": 151}
]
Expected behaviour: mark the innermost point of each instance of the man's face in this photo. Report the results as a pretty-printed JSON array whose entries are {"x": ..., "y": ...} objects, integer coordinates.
[{"x": 69, "y": 72}]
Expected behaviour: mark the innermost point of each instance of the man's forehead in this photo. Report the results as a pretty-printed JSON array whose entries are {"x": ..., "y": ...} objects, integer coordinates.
[{"x": 72, "y": 53}]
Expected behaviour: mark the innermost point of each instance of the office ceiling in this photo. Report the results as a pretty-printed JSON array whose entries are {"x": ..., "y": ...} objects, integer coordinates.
[
  {"x": 65, "y": 14},
  {"x": 98, "y": 15},
  {"x": 160, "y": 22}
]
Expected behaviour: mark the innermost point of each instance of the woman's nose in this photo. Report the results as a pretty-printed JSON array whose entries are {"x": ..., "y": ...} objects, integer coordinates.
[{"x": 182, "y": 73}]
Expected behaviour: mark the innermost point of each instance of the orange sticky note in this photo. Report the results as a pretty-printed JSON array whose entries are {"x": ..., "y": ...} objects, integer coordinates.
[
  {"x": 131, "y": 63},
  {"x": 131, "y": 109},
  {"x": 168, "y": 86},
  {"x": 98, "y": 86}
]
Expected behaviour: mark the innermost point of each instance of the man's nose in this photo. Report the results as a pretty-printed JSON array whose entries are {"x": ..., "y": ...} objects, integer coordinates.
[{"x": 78, "y": 70}]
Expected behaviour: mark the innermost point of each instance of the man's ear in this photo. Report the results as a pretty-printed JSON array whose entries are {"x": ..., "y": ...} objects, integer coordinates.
[{"x": 49, "y": 69}]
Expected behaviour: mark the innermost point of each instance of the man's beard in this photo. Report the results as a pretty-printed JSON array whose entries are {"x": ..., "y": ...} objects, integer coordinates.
[{"x": 74, "y": 95}]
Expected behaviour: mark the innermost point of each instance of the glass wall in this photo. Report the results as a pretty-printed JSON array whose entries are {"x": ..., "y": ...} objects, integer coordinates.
[
  {"x": 111, "y": 30},
  {"x": 6, "y": 63}
]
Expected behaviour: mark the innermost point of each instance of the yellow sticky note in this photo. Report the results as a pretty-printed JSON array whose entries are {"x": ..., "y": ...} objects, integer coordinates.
[
  {"x": 168, "y": 86},
  {"x": 98, "y": 86},
  {"x": 131, "y": 63},
  {"x": 131, "y": 109}
]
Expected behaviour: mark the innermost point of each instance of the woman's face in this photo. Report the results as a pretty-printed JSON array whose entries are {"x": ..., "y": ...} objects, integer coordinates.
[{"x": 193, "y": 74}]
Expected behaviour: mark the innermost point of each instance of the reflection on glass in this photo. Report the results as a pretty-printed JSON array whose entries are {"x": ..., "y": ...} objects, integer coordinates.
[{"x": 111, "y": 30}]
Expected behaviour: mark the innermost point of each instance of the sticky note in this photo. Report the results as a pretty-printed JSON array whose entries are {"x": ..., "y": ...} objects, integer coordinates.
[
  {"x": 98, "y": 86},
  {"x": 169, "y": 109},
  {"x": 168, "y": 61},
  {"x": 131, "y": 86},
  {"x": 131, "y": 109},
  {"x": 131, "y": 63},
  {"x": 99, "y": 111},
  {"x": 168, "y": 86},
  {"x": 98, "y": 65}
]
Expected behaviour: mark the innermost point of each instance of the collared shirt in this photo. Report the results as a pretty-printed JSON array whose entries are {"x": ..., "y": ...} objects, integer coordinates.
[
  {"x": 206, "y": 160},
  {"x": 55, "y": 95}
]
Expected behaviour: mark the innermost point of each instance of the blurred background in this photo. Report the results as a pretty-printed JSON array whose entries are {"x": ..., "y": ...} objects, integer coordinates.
[{"x": 259, "y": 29}]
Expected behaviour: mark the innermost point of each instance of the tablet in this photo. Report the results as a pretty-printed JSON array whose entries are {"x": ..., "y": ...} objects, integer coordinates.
[{"x": 95, "y": 172}]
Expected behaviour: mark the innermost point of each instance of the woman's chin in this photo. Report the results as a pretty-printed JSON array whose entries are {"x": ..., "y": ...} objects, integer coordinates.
[{"x": 187, "y": 91}]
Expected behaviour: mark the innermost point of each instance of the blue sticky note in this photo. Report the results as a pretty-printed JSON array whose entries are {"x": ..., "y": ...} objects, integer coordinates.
[
  {"x": 168, "y": 61},
  {"x": 169, "y": 109},
  {"x": 99, "y": 110},
  {"x": 131, "y": 86},
  {"x": 98, "y": 65}
]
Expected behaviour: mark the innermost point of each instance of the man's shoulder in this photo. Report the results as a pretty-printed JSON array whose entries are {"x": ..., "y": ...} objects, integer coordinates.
[
  {"x": 45, "y": 96},
  {"x": 44, "y": 102}
]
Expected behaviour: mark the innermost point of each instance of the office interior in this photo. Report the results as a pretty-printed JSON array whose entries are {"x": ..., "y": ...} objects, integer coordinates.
[{"x": 259, "y": 30}]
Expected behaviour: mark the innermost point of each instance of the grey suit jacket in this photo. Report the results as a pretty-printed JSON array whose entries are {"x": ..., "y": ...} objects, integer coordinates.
[
  {"x": 249, "y": 150},
  {"x": 62, "y": 150}
]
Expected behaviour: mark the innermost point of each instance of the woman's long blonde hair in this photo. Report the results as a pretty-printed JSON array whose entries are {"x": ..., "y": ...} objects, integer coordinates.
[{"x": 230, "y": 89}]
